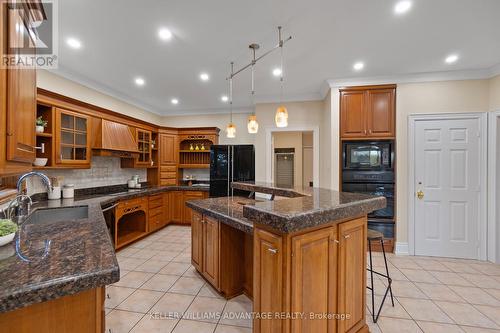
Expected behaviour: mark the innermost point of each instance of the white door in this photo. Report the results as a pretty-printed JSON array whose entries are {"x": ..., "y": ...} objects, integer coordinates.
[{"x": 448, "y": 178}]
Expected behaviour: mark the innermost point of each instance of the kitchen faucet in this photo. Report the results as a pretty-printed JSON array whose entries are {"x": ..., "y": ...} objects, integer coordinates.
[
  {"x": 46, "y": 181},
  {"x": 19, "y": 204}
]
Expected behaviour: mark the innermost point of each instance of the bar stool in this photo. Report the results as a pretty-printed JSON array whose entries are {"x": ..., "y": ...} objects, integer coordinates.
[{"x": 375, "y": 236}]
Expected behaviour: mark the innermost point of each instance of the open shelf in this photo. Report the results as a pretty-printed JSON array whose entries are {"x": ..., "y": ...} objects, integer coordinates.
[
  {"x": 131, "y": 227},
  {"x": 44, "y": 135},
  {"x": 194, "y": 151},
  {"x": 194, "y": 166},
  {"x": 129, "y": 236}
]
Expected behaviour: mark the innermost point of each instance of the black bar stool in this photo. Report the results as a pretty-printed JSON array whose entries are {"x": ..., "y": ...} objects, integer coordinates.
[{"x": 375, "y": 236}]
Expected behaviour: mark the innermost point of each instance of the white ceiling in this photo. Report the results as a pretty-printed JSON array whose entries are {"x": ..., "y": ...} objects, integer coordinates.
[{"x": 120, "y": 42}]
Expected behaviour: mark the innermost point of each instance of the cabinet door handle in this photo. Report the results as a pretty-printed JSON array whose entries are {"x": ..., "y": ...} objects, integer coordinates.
[
  {"x": 347, "y": 236},
  {"x": 273, "y": 251},
  {"x": 365, "y": 132},
  {"x": 335, "y": 241},
  {"x": 369, "y": 131}
]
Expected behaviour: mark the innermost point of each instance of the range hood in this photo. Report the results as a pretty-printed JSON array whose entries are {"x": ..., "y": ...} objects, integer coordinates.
[{"x": 113, "y": 139}]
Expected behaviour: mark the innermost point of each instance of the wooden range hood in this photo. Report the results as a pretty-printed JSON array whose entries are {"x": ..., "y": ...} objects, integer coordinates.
[{"x": 113, "y": 139}]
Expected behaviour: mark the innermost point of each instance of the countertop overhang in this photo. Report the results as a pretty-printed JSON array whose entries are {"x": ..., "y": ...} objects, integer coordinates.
[{"x": 301, "y": 208}]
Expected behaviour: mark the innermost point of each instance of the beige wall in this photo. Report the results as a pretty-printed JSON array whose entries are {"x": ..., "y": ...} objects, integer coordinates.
[
  {"x": 431, "y": 97},
  {"x": 291, "y": 140},
  {"x": 52, "y": 82},
  {"x": 300, "y": 115},
  {"x": 494, "y": 93}
]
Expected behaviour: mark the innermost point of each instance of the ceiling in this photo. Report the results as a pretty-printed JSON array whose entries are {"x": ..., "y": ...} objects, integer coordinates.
[{"x": 120, "y": 42}]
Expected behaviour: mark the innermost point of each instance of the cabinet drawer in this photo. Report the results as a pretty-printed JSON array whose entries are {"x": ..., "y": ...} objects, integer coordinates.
[
  {"x": 140, "y": 202},
  {"x": 155, "y": 211},
  {"x": 168, "y": 174},
  {"x": 168, "y": 168},
  {"x": 155, "y": 201},
  {"x": 168, "y": 181}
]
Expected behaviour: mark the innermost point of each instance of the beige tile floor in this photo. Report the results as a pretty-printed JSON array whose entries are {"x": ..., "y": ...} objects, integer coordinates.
[{"x": 160, "y": 291}]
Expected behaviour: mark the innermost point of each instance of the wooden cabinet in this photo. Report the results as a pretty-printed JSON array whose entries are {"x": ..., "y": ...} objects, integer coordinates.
[
  {"x": 352, "y": 274},
  {"x": 156, "y": 218},
  {"x": 313, "y": 271},
  {"x": 187, "y": 214},
  {"x": 17, "y": 100},
  {"x": 268, "y": 279},
  {"x": 72, "y": 138},
  {"x": 197, "y": 241},
  {"x": 352, "y": 114},
  {"x": 218, "y": 253},
  {"x": 143, "y": 139},
  {"x": 168, "y": 148},
  {"x": 211, "y": 251},
  {"x": 177, "y": 206},
  {"x": 167, "y": 212},
  {"x": 367, "y": 112},
  {"x": 314, "y": 279}
]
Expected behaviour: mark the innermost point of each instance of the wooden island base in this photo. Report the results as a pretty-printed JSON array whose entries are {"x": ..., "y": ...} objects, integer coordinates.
[
  {"x": 79, "y": 313},
  {"x": 316, "y": 275}
]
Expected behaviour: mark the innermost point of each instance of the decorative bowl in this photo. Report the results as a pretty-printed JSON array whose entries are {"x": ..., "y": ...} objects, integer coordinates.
[
  {"x": 4, "y": 240},
  {"x": 40, "y": 162}
]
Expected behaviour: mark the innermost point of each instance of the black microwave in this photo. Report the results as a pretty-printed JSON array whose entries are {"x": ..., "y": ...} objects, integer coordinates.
[{"x": 368, "y": 155}]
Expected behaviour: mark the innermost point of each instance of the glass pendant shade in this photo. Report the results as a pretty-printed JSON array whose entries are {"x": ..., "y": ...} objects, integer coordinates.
[
  {"x": 253, "y": 125},
  {"x": 281, "y": 117},
  {"x": 231, "y": 130}
]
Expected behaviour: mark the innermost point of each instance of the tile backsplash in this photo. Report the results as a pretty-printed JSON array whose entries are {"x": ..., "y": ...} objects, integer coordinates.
[{"x": 103, "y": 171}]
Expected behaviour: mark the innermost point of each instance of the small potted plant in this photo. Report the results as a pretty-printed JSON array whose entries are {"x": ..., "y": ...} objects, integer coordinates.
[
  {"x": 40, "y": 124},
  {"x": 7, "y": 231}
]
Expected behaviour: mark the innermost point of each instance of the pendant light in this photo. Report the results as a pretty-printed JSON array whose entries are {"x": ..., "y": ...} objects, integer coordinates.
[
  {"x": 253, "y": 125},
  {"x": 281, "y": 117},
  {"x": 231, "y": 128}
]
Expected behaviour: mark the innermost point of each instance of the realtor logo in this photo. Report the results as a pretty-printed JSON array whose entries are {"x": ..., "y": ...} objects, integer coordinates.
[{"x": 31, "y": 33}]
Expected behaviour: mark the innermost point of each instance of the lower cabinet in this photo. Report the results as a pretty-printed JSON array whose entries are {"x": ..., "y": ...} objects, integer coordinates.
[
  {"x": 210, "y": 248},
  {"x": 176, "y": 206},
  {"x": 218, "y": 253},
  {"x": 187, "y": 214},
  {"x": 316, "y": 272}
]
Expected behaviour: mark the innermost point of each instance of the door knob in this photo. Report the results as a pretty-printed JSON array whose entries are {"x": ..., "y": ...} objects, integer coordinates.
[{"x": 420, "y": 195}]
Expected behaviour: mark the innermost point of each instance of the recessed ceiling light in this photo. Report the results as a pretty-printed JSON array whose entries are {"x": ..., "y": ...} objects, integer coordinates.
[
  {"x": 139, "y": 81},
  {"x": 204, "y": 77},
  {"x": 358, "y": 66},
  {"x": 451, "y": 58},
  {"x": 174, "y": 101},
  {"x": 164, "y": 34},
  {"x": 277, "y": 71},
  {"x": 402, "y": 7},
  {"x": 74, "y": 43},
  {"x": 224, "y": 98}
]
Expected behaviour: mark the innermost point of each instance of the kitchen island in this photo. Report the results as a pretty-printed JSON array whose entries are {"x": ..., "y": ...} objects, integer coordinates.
[{"x": 301, "y": 258}]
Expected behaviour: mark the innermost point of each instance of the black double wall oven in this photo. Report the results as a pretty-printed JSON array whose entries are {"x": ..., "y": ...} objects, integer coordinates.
[{"x": 368, "y": 167}]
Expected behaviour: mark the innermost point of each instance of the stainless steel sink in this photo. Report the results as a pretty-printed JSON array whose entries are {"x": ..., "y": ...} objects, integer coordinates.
[{"x": 58, "y": 214}]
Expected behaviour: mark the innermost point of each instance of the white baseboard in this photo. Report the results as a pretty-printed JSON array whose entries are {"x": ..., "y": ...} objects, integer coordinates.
[{"x": 401, "y": 249}]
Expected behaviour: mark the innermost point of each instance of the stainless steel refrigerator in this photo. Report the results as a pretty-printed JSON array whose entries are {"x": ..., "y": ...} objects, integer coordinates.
[{"x": 230, "y": 163}]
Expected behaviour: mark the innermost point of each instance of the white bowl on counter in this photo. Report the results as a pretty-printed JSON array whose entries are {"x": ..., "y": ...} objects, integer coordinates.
[
  {"x": 40, "y": 162},
  {"x": 4, "y": 240}
]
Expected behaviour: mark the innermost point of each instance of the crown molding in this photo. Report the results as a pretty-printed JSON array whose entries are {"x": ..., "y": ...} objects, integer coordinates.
[{"x": 476, "y": 74}]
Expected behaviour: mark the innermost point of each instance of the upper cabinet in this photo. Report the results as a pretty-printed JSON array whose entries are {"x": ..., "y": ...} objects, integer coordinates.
[
  {"x": 18, "y": 101},
  {"x": 72, "y": 138},
  {"x": 144, "y": 144},
  {"x": 367, "y": 112},
  {"x": 168, "y": 148}
]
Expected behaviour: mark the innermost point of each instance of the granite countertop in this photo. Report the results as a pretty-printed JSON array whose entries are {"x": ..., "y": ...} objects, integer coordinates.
[
  {"x": 59, "y": 258},
  {"x": 228, "y": 210},
  {"x": 306, "y": 207}
]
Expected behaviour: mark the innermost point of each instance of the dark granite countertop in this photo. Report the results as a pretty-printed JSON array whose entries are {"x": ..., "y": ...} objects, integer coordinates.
[
  {"x": 314, "y": 207},
  {"x": 59, "y": 258},
  {"x": 228, "y": 210}
]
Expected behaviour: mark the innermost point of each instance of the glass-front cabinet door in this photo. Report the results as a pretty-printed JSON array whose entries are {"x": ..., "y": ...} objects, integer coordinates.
[
  {"x": 144, "y": 145},
  {"x": 72, "y": 138}
]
